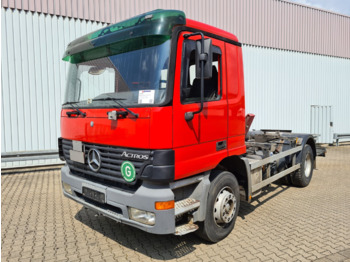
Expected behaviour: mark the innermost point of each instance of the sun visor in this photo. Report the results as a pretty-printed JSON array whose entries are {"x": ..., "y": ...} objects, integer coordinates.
[{"x": 142, "y": 31}]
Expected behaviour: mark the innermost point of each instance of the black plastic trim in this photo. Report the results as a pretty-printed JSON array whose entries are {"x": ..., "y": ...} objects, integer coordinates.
[
  {"x": 162, "y": 168},
  {"x": 191, "y": 29},
  {"x": 60, "y": 149},
  {"x": 158, "y": 173},
  {"x": 163, "y": 157}
]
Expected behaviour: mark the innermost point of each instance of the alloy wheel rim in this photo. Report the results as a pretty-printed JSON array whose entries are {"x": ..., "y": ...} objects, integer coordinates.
[{"x": 307, "y": 165}]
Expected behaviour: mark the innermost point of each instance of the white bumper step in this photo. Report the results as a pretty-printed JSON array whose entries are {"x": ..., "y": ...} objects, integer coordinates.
[
  {"x": 185, "y": 229},
  {"x": 186, "y": 205}
]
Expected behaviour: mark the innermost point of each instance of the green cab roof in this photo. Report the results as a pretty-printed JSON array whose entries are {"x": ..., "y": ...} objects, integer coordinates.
[{"x": 156, "y": 25}]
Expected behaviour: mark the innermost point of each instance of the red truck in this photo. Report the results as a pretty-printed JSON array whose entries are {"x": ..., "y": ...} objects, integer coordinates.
[{"x": 154, "y": 129}]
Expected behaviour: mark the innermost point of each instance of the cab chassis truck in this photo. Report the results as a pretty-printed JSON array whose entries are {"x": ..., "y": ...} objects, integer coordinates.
[{"x": 154, "y": 130}]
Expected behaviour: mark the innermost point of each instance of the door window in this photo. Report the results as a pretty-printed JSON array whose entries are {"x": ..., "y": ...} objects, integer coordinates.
[{"x": 190, "y": 85}]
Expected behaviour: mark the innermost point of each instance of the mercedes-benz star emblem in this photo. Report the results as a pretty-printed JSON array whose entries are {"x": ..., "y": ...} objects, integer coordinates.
[{"x": 94, "y": 159}]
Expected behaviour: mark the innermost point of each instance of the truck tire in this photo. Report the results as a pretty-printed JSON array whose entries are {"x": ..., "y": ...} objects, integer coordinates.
[
  {"x": 222, "y": 207},
  {"x": 302, "y": 176}
]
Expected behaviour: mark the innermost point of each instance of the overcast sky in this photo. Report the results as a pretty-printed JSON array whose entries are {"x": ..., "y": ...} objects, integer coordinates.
[{"x": 338, "y": 6}]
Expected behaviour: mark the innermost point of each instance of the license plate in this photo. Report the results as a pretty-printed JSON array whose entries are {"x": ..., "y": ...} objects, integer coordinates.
[
  {"x": 77, "y": 156},
  {"x": 94, "y": 195}
]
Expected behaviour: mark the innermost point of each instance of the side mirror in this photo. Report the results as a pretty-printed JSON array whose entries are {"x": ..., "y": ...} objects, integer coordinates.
[
  {"x": 205, "y": 54},
  {"x": 204, "y": 63}
]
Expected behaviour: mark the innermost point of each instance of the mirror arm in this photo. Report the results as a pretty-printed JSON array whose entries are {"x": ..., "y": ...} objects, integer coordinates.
[{"x": 203, "y": 57}]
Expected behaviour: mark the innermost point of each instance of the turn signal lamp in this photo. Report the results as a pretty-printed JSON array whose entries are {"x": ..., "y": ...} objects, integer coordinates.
[{"x": 165, "y": 205}]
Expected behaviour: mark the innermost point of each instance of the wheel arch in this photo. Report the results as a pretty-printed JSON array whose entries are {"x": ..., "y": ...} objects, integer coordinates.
[
  {"x": 238, "y": 167},
  {"x": 307, "y": 140},
  {"x": 311, "y": 142}
]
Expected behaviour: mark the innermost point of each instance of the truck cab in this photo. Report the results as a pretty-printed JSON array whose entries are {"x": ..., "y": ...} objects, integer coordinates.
[{"x": 153, "y": 126}]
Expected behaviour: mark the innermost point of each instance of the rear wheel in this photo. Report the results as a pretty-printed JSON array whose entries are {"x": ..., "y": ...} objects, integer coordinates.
[
  {"x": 222, "y": 207},
  {"x": 303, "y": 176}
]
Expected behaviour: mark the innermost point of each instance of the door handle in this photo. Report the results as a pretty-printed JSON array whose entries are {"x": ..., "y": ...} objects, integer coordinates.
[{"x": 220, "y": 145}]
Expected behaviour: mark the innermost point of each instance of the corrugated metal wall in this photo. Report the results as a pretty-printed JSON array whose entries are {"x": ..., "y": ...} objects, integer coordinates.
[
  {"x": 282, "y": 85},
  {"x": 270, "y": 23},
  {"x": 33, "y": 78}
]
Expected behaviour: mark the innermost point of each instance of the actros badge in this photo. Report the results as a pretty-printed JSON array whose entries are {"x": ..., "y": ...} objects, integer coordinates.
[{"x": 136, "y": 156}]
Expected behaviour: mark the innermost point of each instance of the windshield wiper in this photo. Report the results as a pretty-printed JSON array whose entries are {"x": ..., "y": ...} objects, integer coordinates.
[
  {"x": 77, "y": 110},
  {"x": 116, "y": 100}
]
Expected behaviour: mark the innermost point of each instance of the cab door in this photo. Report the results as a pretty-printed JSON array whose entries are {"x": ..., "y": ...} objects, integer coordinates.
[{"x": 200, "y": 143}]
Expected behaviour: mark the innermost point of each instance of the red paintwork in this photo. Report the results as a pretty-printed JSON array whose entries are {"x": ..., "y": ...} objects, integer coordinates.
[
  {"x": 195, "y": 141},
  {"x": 161, "y": 128},
  {"x": 210, "y": 29},
  {"x": 128, "y": 132},
  {"x": 236, "y": 104}
]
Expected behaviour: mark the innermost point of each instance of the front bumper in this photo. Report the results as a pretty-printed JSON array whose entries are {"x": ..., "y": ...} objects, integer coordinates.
[{"x": 143, "y": 198}]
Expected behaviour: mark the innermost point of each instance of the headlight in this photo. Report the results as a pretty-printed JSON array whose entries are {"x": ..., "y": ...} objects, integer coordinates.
[
  {"x": 142, "y": 216},
  {"x": 67, "y": 188}
]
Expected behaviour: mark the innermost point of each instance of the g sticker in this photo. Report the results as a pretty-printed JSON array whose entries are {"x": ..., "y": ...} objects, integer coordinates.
[{"x": 128, "y": 171}]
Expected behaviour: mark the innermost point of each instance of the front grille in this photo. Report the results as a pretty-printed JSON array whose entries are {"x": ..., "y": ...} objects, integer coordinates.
[{"x": 111, "y": 161}]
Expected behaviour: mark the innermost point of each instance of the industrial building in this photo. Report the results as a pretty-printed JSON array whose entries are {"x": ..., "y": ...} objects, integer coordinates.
[{"x": 296, "y": 64}]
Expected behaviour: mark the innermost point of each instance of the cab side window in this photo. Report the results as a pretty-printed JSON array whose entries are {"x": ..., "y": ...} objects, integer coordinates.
[{"x": 190, "y": 85}]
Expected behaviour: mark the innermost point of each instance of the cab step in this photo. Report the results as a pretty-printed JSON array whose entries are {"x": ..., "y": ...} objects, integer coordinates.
[
  {"x": 186, "y": 205},
  {"x": 185, "y": 229}
]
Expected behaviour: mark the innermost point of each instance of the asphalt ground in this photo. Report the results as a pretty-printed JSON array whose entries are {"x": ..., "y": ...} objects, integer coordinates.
[{"x": 284, "y": 224}]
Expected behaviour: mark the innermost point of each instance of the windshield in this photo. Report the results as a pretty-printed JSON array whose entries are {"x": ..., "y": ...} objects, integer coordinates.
[{"x": 138, "y": 77}]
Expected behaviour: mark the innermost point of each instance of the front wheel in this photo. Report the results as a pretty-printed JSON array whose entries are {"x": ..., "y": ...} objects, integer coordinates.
[
  {"x": 222, "y": 207},
  {"x": 303, "y": 176}
]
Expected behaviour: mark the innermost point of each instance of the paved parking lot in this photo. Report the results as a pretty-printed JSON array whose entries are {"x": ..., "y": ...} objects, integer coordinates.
[{"x": 285, "y": 224}]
